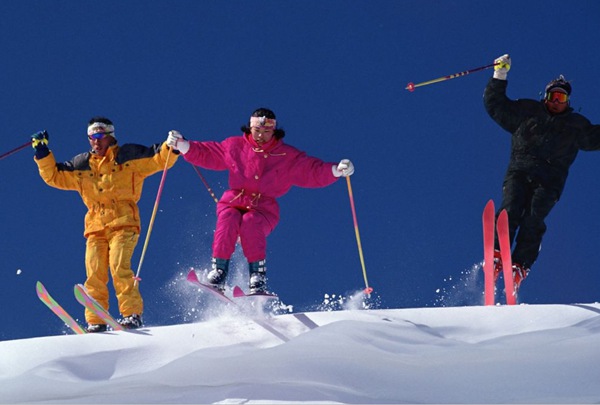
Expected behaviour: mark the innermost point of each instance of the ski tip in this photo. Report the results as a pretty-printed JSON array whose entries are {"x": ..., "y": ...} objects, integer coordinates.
[
  {"x": 238, "y": 292},
  {"x": 503, "y": 214},
  {"x": 192, "y": 276},
  {"x": 40, "y": 289}
]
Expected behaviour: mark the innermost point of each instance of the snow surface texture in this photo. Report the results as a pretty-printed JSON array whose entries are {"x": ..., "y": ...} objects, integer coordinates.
[{"x": 498, "y": 354}]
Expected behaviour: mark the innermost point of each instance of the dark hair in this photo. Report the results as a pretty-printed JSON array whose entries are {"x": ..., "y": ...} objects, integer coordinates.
[
  {"x": 103, "y": 120},
  {"x": 264, "y": 112}
]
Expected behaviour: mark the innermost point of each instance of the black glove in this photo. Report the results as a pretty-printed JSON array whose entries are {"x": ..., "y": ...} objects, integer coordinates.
[{"x": 39, "y": 142}]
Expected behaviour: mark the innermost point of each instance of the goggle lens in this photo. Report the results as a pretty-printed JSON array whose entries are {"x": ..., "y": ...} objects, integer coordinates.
[
  {"x": 557, "y": 96},
  {"x": 98, "y": 135}
]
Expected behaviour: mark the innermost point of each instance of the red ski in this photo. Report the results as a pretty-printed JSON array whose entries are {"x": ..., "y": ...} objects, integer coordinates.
[
  {"x": 504, "y": 241},
  {"x": 192, "y": 277},
  {"x": 488, "y": 251}
]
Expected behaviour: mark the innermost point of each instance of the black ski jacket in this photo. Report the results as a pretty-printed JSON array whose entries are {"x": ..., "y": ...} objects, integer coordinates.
[{"x": 543, "y": 145}]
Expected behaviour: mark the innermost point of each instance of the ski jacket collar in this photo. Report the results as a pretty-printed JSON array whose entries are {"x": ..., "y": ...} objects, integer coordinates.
[{"x": 266, "y": 147}]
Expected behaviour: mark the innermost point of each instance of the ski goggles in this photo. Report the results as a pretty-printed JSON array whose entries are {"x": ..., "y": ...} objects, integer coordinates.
[
  {"x": 99, "y": 135},
  {"x": 557, "y": 96}
]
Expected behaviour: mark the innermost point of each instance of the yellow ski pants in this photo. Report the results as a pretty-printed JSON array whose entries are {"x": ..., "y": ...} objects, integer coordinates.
[{"x": 112, "y": 249}]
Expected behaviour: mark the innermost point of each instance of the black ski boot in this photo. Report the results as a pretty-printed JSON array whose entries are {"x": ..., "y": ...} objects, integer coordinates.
[
  {"x": 96, "y": 328},
  {"x": 132, "y": 321},
  {"x": 218, "y": 273},
  {"x": 258, "y": 277}
]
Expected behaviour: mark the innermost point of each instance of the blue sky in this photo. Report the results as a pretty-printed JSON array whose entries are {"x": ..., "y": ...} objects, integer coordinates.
[{"x": 334, "y": 72}]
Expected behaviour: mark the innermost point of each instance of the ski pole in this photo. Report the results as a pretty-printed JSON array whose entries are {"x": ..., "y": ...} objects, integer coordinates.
[
  {"x": 212, "y": 194},
  {"x": 160, "y": 189},
  {"x": 368, "y": 290},
  {"x": 411, "y": 86},
  {"x": 10, "y": 152}
]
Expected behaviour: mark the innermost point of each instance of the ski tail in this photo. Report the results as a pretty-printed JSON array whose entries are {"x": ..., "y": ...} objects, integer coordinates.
[
  {"x": 302, "y": 317},
  {"x": 59, "y": 311}
]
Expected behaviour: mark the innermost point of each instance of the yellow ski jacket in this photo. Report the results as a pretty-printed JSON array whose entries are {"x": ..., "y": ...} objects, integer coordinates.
[{"x": 109, "y": 185}]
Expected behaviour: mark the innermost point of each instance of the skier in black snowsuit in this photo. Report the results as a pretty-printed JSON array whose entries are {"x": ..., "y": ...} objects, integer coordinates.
[{"x": 546, "y": 137}]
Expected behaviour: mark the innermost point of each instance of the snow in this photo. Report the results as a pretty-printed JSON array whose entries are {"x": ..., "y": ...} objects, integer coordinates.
[{"x": 496, "y": 354}]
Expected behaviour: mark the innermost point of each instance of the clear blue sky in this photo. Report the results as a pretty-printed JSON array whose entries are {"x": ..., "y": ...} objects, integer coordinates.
[{"x": 334, "y": 72}]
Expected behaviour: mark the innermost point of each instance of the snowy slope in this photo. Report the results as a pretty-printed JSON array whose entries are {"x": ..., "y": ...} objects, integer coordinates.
[{"x": 520, "y": 354}]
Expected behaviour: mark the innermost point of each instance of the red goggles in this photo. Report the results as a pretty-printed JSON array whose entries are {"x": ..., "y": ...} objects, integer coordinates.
[{"x": 557, "y": 96}]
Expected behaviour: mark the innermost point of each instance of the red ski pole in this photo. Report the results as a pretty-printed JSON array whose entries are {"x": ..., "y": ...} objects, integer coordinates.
[
  {"x": 212, "y": 194},
  {"x": 10, "y": 152},
  {"x": 411, "y": 86}
]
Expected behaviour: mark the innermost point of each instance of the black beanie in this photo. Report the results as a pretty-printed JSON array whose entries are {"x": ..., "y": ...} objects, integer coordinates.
[{"x": 559, "y": 82}]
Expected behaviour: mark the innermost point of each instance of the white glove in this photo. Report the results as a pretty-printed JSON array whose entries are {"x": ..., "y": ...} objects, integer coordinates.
[
  {"x": 501, "y": 70},
  {"x": 176, "y": 141},
  {"x": 344, "y": 169}
]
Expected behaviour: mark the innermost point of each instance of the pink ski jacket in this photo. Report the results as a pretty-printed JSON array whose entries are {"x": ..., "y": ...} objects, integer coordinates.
[{"x": 258, "y": 176}]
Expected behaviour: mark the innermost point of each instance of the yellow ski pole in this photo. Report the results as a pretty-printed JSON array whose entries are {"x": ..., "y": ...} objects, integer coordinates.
[
  {"x": 368, "y": 290},
  {"x": 160, "y": 189}
]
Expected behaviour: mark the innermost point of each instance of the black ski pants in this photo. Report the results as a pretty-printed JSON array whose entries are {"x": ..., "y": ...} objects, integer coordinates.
[{"x": 527, "y": 203}]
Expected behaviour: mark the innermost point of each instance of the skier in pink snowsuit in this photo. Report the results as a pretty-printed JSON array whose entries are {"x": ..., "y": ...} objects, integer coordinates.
[{"x": 261, "y": 169}]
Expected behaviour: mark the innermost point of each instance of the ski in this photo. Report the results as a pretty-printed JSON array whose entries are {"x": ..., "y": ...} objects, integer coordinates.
[
  {"x": 92, "y": 305},
  {"x": 488, "y": 220},
  {"x": 309, "y": 323},
  {"x": 51, "y": 303},
  {"x": 192, "y": 278},
  {"x": 300, "y": 316},
  {"x": 504, "y": 241},
  {"x": 239, "y": 293}
]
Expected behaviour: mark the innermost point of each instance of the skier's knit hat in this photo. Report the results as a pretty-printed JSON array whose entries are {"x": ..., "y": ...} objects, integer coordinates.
[
  {"x": 559, "y": 83},
  {"x": 101, "y": 124}
]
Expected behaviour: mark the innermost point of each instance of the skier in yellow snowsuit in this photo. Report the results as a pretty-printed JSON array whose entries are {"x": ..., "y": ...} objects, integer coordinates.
[{"x": 109, "y": 179}]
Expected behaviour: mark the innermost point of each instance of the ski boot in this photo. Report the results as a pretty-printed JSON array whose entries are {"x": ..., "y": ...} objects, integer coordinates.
[
  {"x": 132, "y": 321},
  {"x": 96, "y": 328},
  {"x": 218, "y": 274},
  {"x": 497, "y": 265},
  {"x": 258, "y": 277},
  {"x": 519, "y": 274}
]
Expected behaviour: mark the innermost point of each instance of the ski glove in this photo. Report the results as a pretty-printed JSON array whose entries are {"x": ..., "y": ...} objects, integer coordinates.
[
  {"x": 344, "y": 169},
  {"x": 39, "y": 142},
  {"x": 176, "y": 141},
  {"x": 502, "y": 68}
]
